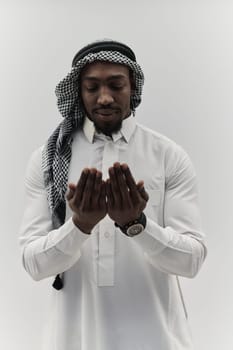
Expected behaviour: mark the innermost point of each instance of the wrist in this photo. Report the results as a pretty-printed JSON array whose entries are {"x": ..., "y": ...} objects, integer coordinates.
[
  {"x": 82, "y": 226},
  {"x": 133, "y": 227}
]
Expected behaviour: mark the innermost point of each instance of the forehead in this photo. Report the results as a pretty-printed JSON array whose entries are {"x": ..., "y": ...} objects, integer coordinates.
[{"x": 104, "y": 70}]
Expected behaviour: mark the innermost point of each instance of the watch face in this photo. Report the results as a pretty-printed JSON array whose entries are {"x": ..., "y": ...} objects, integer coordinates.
[{"x": 135, "y": 230}]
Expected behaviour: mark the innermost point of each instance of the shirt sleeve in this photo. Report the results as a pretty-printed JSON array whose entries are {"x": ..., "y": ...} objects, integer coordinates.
[
  {"x": 45, "y": 251},
  {"x": 178, "y": 247}
]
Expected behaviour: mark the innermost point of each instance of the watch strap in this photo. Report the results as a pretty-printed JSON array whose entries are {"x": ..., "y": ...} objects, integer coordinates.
[{"x": 141, "y": 220}]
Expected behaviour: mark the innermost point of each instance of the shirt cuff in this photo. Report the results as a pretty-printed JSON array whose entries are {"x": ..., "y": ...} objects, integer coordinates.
[
  {"x": 154, "y": 238},
  {"x": 68, "y": 239}
]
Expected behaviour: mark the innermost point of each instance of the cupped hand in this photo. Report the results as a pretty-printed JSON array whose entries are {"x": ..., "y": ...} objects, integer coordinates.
[
  {"x": 87, "y": 199},
  {"x": 125, "y": 199}
]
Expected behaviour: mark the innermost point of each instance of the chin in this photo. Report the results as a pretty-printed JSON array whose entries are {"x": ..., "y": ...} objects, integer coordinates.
[{"x": 108, "y": 129}]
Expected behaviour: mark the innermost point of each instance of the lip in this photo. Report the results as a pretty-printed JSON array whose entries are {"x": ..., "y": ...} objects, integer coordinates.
[
  {"x": 105, "y": 111},
  {"x": 99, "y": 113},
  {"x": 105, "y": 117}
]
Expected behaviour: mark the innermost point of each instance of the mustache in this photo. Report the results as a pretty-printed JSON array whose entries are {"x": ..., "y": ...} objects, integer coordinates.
[{"x": 106, "y": 107}]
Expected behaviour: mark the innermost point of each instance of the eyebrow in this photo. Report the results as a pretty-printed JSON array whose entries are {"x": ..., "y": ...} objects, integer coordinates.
[{"x": 112, "y": 77}]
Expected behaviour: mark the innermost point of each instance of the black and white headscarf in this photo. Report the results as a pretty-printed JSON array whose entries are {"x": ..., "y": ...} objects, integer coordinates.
[{"x": 56, "y": 154}]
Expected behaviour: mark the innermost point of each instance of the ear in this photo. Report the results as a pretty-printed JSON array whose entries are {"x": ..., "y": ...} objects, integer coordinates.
[
  {"x": 132, "y": 82},
  {"x": 132, "y": 89}
]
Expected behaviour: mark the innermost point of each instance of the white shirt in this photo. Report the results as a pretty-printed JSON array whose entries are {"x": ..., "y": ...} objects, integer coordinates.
[{"x": 120, "y": 293}]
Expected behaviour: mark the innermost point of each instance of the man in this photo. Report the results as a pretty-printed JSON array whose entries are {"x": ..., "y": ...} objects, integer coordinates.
[{"x": 112, "y": 211}]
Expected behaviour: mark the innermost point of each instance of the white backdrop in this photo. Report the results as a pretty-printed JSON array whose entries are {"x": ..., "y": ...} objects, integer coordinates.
[{"x": 186, "y": 51}]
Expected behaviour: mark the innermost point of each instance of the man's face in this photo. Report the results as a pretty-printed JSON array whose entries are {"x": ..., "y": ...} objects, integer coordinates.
[{"x": 106, "y": 91}]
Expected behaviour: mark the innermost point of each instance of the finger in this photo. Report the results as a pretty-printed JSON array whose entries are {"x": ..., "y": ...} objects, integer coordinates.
[
  {"x": 102, "y": 197},
  {"x": 142, "y": 191},
  {"x": 129, "y": 178},
  {"x": 114, "y": 187},
  {"x": 130, "y": 183},
  {"x": 70, "y": 191},
  {"x": 89, "y": 187},
  {"x": 109, "y": 194},
  {"x": 81, "y": 185},
  {"x": 140, "y": 184},
  {"x": 121, "y": 181},
  {"x": 97, "y": 189},
  {"x": 98, "y": 182}
]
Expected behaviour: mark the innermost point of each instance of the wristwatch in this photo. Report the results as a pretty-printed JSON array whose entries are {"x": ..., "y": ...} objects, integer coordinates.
[{"x": 135, "y": 227}]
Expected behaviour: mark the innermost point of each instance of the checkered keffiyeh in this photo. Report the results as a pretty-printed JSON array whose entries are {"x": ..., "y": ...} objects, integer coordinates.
[{"x": 56, "y": 154}]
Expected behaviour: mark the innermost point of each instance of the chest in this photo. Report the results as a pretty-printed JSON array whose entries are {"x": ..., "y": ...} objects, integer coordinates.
[{"x": 146, "y": 163}]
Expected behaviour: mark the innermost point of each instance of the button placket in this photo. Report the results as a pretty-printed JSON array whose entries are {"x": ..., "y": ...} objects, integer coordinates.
[{"x": 106, "y": 226}]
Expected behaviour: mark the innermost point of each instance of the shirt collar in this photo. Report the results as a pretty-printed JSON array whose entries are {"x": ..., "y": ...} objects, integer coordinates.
[{"x": 127, "y": 129}]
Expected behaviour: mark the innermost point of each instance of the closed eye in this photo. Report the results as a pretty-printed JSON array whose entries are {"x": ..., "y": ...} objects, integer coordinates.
[
  {"x": 112, "y": 87},
  {"x": 91, "y": 88},
  {"x": 116, "y": 87}
]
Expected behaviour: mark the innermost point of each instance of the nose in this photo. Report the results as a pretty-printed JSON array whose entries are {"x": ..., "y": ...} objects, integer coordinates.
[{"x": 105, "y": 97}]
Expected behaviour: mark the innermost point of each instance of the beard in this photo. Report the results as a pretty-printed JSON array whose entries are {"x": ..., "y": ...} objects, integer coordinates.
[{"x": 108, "y": 129}]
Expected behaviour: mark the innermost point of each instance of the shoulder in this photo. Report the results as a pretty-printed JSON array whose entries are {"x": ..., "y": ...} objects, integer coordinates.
[
  {"x": 34, "y": 173},
  {"x": 36, "y": 157},
  {"x": 165, "y": 142},
  {"x": 173, "y": 154}
]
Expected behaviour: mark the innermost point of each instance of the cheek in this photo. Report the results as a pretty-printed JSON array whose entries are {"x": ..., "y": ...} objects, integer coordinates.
[
  {"x": 126, "y": 100},
  {"x": 123, "y": 96},
  {"x": 87, "y": 100}
]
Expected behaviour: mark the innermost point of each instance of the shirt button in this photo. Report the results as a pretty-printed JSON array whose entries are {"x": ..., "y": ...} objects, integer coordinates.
[{"x": 106, "y": 234}]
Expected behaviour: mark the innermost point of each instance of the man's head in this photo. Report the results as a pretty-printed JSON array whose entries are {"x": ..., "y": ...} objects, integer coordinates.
[
  {"x": 106, "y": 90},
  {"x": 105, "y": 84}
]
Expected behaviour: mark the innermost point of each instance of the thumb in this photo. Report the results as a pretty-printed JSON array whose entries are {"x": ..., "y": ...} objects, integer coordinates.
[
  {"x": 142, "y": 191},
  {"x": 70, "y": 191}
]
